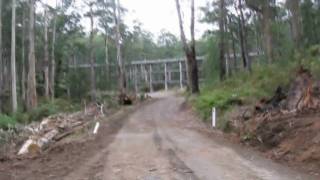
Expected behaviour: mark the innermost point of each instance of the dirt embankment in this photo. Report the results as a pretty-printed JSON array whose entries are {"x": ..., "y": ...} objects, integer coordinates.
[{"x": 286, "y": 127}]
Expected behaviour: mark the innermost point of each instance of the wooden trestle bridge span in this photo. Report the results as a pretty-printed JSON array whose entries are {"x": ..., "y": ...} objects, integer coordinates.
[
  {"x": 151, "y": 75},
  {"x": 160, "y": 74}
]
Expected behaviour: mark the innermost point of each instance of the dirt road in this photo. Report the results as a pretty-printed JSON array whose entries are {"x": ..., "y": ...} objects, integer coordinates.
[{"x": 160, "y": 141}]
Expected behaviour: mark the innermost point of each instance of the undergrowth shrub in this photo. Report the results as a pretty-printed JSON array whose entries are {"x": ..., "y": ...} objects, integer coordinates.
[
  {"x": 6, "y": 122},
  {"x": 45, "y": 109},
  {"x": 242, "y": 88}
]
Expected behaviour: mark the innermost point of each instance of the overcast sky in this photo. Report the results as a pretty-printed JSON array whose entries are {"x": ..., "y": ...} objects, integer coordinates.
[{"x": 156, "y": 15}]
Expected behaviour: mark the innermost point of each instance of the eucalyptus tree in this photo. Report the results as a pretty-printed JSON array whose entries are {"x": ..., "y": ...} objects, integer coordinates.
[
  {"x": 1, "y": 59},
  {"x": 46, "y": 53},
  {"x": 32, "y": 100},
  {"x": 265, "y": 9},
  {"x": 121, "y": 72},
  {"x": 189, "y": 49},
  {"x": 221, "y": 14},
  {"x": 91, "y": 15},
  {"x": 23, "y": 74},
  {"x": 169, "y": 45},
  {"x": 52, "y": 70},
  {"x": 105, "y": 15},
  {"x": 243, "y": 36},
  {"x": 310, "y": 12},
  {"x": 296, "y": 21},
  {"x": 13, "y": 59},
  {"x": 222, "y": 43}
]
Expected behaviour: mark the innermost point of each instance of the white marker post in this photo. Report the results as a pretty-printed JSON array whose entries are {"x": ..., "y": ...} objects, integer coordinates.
[
  {"x": 214, "y": 114},
  {"x": 95, "y": 131}
]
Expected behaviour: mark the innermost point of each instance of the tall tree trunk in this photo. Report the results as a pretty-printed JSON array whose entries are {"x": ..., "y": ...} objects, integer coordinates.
[
  {"x": 92, "y": 61},
  {"x": 23, "y": 58},
  {"x": 234, "y": 54},
  {"x": 13, "y": 59},
  {"x": 227, "y": 46},
  {"x": 243, "y": 39},
  {"x": 296, "y": 27},
  {"x": 268, "y": 37},
  {"x": 106, "y": 29},
  {"x": 190, "y": 50},
  {"x": 263, "y": 7},
  {"x": 257, "y": 35},
  {"x": 1, "y": 60},
  {"x": 222, "y": 40},
  {"x": 53, "y": 60},
  {"x": 184, "y": 43},
  {"x": 233, "y": 44},
  {"x": 46, "y": 57},
  {"x": 31, "y": 91},
  {"x": 193, "y": 60},
  {"x": 107, "y": 59},
  {"x": 117, "y": 19}
]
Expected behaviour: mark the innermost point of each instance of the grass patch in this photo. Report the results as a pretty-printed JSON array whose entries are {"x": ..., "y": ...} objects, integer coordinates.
[
  {"x": 45, "y": 109},
  {"x": 6, "y": 122}
]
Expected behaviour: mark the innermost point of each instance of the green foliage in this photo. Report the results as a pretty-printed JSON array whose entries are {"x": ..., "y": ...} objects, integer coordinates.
[
  {"x": 211, "y": 66},
  {"x": 311, "y": 60},
  {"x": 247, "y": 137},
  {"x": 42, "y": 111},
  {"x": 46, "y": 109},
  {"x": 243, "y": 88},
  {"x": 310, "y": 12},
  {"x": 6, "y": 121},
  {"x": 283, "y": 44}
]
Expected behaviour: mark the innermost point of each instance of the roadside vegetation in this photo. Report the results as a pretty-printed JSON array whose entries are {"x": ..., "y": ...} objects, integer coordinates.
[
  {"x": 244, "y": 88},
  {"x": 44, "y": 109}
]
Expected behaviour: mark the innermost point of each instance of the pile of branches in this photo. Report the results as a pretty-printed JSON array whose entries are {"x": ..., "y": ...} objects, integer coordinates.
[{"x": 57, "y": 127}]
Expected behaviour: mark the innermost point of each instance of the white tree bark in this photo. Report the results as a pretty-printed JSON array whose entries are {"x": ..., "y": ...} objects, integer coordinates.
[
  {"x": 1, "y": 60},
  {"x": 107, "y": 57},
  {"x": 117, "y": 18},
  {"x": 23, "y": 59},
  {"x": 46, "y": 55},
  {"x": 13, "y": 59},
  {"x": 31, "y": 88},
  {"x": 53, "y": 61},
  {"x": 92, "y": 70},
  {"x": 189, "y": 49}
]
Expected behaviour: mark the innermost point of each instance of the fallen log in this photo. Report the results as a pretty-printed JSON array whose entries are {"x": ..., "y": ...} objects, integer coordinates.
[{"x": 57, "y": 127}]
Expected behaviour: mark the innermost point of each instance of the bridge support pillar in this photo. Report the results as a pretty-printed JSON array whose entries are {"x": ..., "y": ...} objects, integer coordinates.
[
  {"x": 130, "y": 75},
  {"x": 145, "y": 72},
  {"x": 181, "y": 75},
  {"x": 166, "y": 76},
  {"x": 136, "y": 79},
  {"x": 187, "y": 73},
  {"x": 151, "y": 78}
]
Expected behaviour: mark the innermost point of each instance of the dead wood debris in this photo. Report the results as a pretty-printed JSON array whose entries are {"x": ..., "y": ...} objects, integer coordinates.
[
  {"x": 303, "y": 94},
  {"x": 57, "y": 127},
  {"x": 286, "y": 126},
  {"x": 270, "y": 118},
  {"x": 124, "y": 99}
]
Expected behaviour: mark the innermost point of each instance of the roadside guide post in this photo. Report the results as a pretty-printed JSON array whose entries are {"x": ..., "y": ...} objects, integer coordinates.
[{"x": 214, "y": 114}]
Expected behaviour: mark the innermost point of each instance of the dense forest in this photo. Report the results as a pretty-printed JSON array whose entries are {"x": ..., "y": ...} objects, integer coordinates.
[
  {"x": 87, "y": 92},
  {"x": 40, "y": 45},
  {"x": 50, "y": 39}
]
